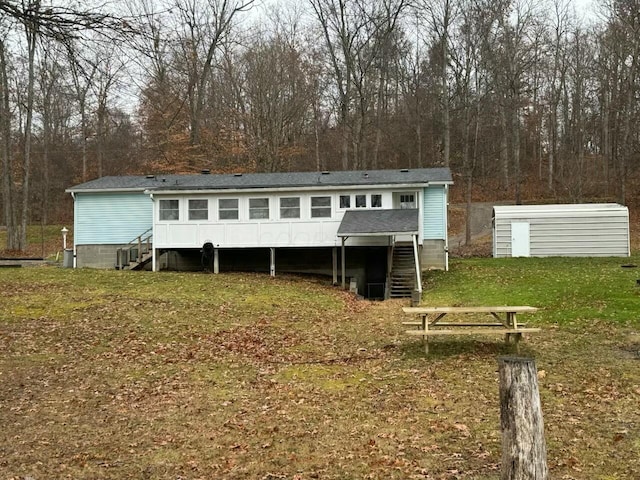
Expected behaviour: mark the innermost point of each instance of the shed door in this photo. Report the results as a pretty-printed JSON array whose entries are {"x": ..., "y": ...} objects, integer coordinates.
[{"x": 520, "y": 239}]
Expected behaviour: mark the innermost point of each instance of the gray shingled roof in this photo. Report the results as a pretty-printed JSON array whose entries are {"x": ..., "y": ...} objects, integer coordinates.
[
  {"x": 266, "y": 180},
  {"x": 378, "y": 222}
]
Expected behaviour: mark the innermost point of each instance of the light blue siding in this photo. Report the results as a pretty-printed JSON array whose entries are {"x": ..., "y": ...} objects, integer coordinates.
[
  {"x": 111, "y": 218},
  {"x": 434, "y": 211}
]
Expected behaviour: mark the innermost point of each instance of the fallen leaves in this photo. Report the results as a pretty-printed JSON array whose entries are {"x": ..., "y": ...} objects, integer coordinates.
[{"x": 202, "y": 383}]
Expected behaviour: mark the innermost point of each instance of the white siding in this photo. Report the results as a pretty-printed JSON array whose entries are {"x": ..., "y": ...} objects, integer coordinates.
[
  {"x": 272, "y": 232},
  {"x": 587, "y": 230},
  {"x": 275, "y": 231},
  {"x": 435, "y": 213},
  {"x": 110, "y": 218}
]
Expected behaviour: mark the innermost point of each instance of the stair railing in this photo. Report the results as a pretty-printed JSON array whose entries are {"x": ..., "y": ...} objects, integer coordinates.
[{"x": 125, "y": 252}]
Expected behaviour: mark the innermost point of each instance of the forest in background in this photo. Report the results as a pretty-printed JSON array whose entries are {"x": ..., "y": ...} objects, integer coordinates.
[{"x": 525, "y": 99}]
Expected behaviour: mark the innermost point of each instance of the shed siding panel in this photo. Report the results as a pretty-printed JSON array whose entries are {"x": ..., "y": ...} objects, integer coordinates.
[
  {"x": 111, "y": 218},
  {"x": 581, "y": 234},
  {"x": 434, "y": 211}
]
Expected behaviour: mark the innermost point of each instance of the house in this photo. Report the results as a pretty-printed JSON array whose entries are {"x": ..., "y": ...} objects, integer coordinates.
[
  {"x": 367, "y": 226},
  {"x": 567, "y": 230}
]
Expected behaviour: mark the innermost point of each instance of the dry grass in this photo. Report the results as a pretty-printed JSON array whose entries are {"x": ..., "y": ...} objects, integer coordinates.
[
  {"x": 42, "y": 241},
  {"x": 140, "y": 375}
]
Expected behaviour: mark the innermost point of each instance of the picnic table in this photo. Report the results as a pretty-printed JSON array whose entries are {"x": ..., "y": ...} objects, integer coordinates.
[{"x": 504, "y": 322}]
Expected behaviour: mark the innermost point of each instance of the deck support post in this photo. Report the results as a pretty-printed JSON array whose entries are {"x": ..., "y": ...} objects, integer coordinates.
[
  {"x": 334, "y": 254},
  {"x": 344, "y": 265},
  {"x": 154, "y": 260},
  {"x": 272, "y": 266},
  {"x": 216, "y": 260}
]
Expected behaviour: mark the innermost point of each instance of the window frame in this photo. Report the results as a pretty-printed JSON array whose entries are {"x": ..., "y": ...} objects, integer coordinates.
[
  {"x": 404, "y": 205},
  {"x": 315, "y": 209},
  {"x": 190, "y": 209},
  {"x": 282, "y": 208},
  {"x": 162, "y": 210},
  {"x": 361, "y": 197},
  {"x": 253, "y": 210},
  {"x": 340, "y": 198},
  {"x": 222, "y": 209},
  {"x": 378, "y": 196}
]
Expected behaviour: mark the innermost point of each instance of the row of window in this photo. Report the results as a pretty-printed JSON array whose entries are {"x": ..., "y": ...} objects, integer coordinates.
[{"x": 228, "y": 208}]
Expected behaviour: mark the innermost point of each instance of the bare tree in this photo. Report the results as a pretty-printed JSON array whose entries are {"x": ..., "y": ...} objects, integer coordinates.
[
  {"x": 108, "y": 68},
  {"x": 556, "y": 83},
  {"x": 355, "y": 34},
  {"x": 83, "y": 72},
  {"x": 8, "y": 186},
  {"x": 204, "y": 27},
  {"x": 440, "y": 17}
]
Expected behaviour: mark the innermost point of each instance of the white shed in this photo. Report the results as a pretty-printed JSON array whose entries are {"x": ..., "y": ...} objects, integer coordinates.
[{"x": 573, "y": 230}]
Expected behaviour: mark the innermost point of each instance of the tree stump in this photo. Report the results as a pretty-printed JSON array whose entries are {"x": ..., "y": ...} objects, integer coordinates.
[{"x": 524, "y": 453}]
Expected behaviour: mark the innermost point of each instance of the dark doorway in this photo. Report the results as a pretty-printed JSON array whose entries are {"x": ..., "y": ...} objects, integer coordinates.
[{"x": 375, "y": 273}]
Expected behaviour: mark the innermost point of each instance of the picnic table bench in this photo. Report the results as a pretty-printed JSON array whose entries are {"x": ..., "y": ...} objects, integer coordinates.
[{"x": 505, "y": 322}]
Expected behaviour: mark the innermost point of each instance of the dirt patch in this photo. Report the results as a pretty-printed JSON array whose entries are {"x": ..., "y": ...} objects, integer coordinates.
[{"x": 631, "y": 351}]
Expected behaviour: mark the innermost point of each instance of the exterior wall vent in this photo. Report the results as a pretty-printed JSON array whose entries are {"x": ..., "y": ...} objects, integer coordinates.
[
  {"x": 404, "y": 170},
  {"x": 325, "y": 172},
  {"x": 237, "y": 174},
  {"x": 205, "y": 171},
  {"x": 150, "y": 176}
]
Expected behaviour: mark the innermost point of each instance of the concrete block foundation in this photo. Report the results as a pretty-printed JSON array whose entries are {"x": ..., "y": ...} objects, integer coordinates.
[{"x": 433, "y": 255}]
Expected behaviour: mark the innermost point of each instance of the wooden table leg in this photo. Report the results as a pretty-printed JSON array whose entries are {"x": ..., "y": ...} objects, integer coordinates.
[
  {"x": 518, "y": 337},
  {"x": 425, "y": 338}
]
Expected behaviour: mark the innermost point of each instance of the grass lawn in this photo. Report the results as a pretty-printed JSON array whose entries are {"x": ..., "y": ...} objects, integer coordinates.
[{"x": 108, "y": 374}]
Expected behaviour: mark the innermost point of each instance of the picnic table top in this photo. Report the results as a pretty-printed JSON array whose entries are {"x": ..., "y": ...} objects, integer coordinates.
[{"x": 496, "y": 309}]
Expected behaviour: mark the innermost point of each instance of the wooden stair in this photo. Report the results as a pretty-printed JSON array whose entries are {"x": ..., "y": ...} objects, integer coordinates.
[
  {"x": 403, "y": 271},
  {"x": 136, "y": 254}
]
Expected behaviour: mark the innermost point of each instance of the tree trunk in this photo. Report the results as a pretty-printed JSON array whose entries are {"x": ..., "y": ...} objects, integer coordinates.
[
  {"x": 627, "y": 148},
  {"x": 32, "y": 34},
  {"x": 344, "y": 114},
  {"x": 8, "y": 185},
  {"x": 316, "y": 132},
  {"x": 504, "y": 154},
  {"x": 84, "y": 129},
  {"x": 446, "y": 120},
  {"x": 517, "y": 171},
  {"x": 524, "y": 453},
  {"x": 553, "y": 128}
]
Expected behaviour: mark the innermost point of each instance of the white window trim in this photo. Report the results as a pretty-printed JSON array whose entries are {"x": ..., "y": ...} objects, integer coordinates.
[
  {"x": 160, "y": 209},
  {"x": 299, "y": 207},
  {"x": 237, "y": 209},
  {"x": 339, "y": 207},
  {"x": 324, "y": 207},
  {"x": 189, "y": 200},
  {"x": 371, "y": 195},
  {"x": 268, "y": 209}
]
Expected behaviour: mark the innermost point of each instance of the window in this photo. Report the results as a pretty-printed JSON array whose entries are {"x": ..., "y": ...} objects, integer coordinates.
[
  {"x": 376, "y": 201},
  {"x": 290, "y": 207},
  {"x": 320, "y": 207},
  {"x": 228, "y": 208},
  {"x": 407, "y": 200},
  {"x": 169, "y": 210},
  {"x": 198, "y": 209},
  {"x": 345, "y": 201},
  {"x": 258, "y": 208},
  {"x": 361, "y": 201}
]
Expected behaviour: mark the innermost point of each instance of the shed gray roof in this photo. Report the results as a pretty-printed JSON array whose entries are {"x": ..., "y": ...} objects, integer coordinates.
[
  {"x": 265, "y": 180},
  {"x": 378, "y": 222}
]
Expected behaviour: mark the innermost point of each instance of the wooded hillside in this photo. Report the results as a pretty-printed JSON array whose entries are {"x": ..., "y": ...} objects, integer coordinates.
[{"x": 519, "y": 95}]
